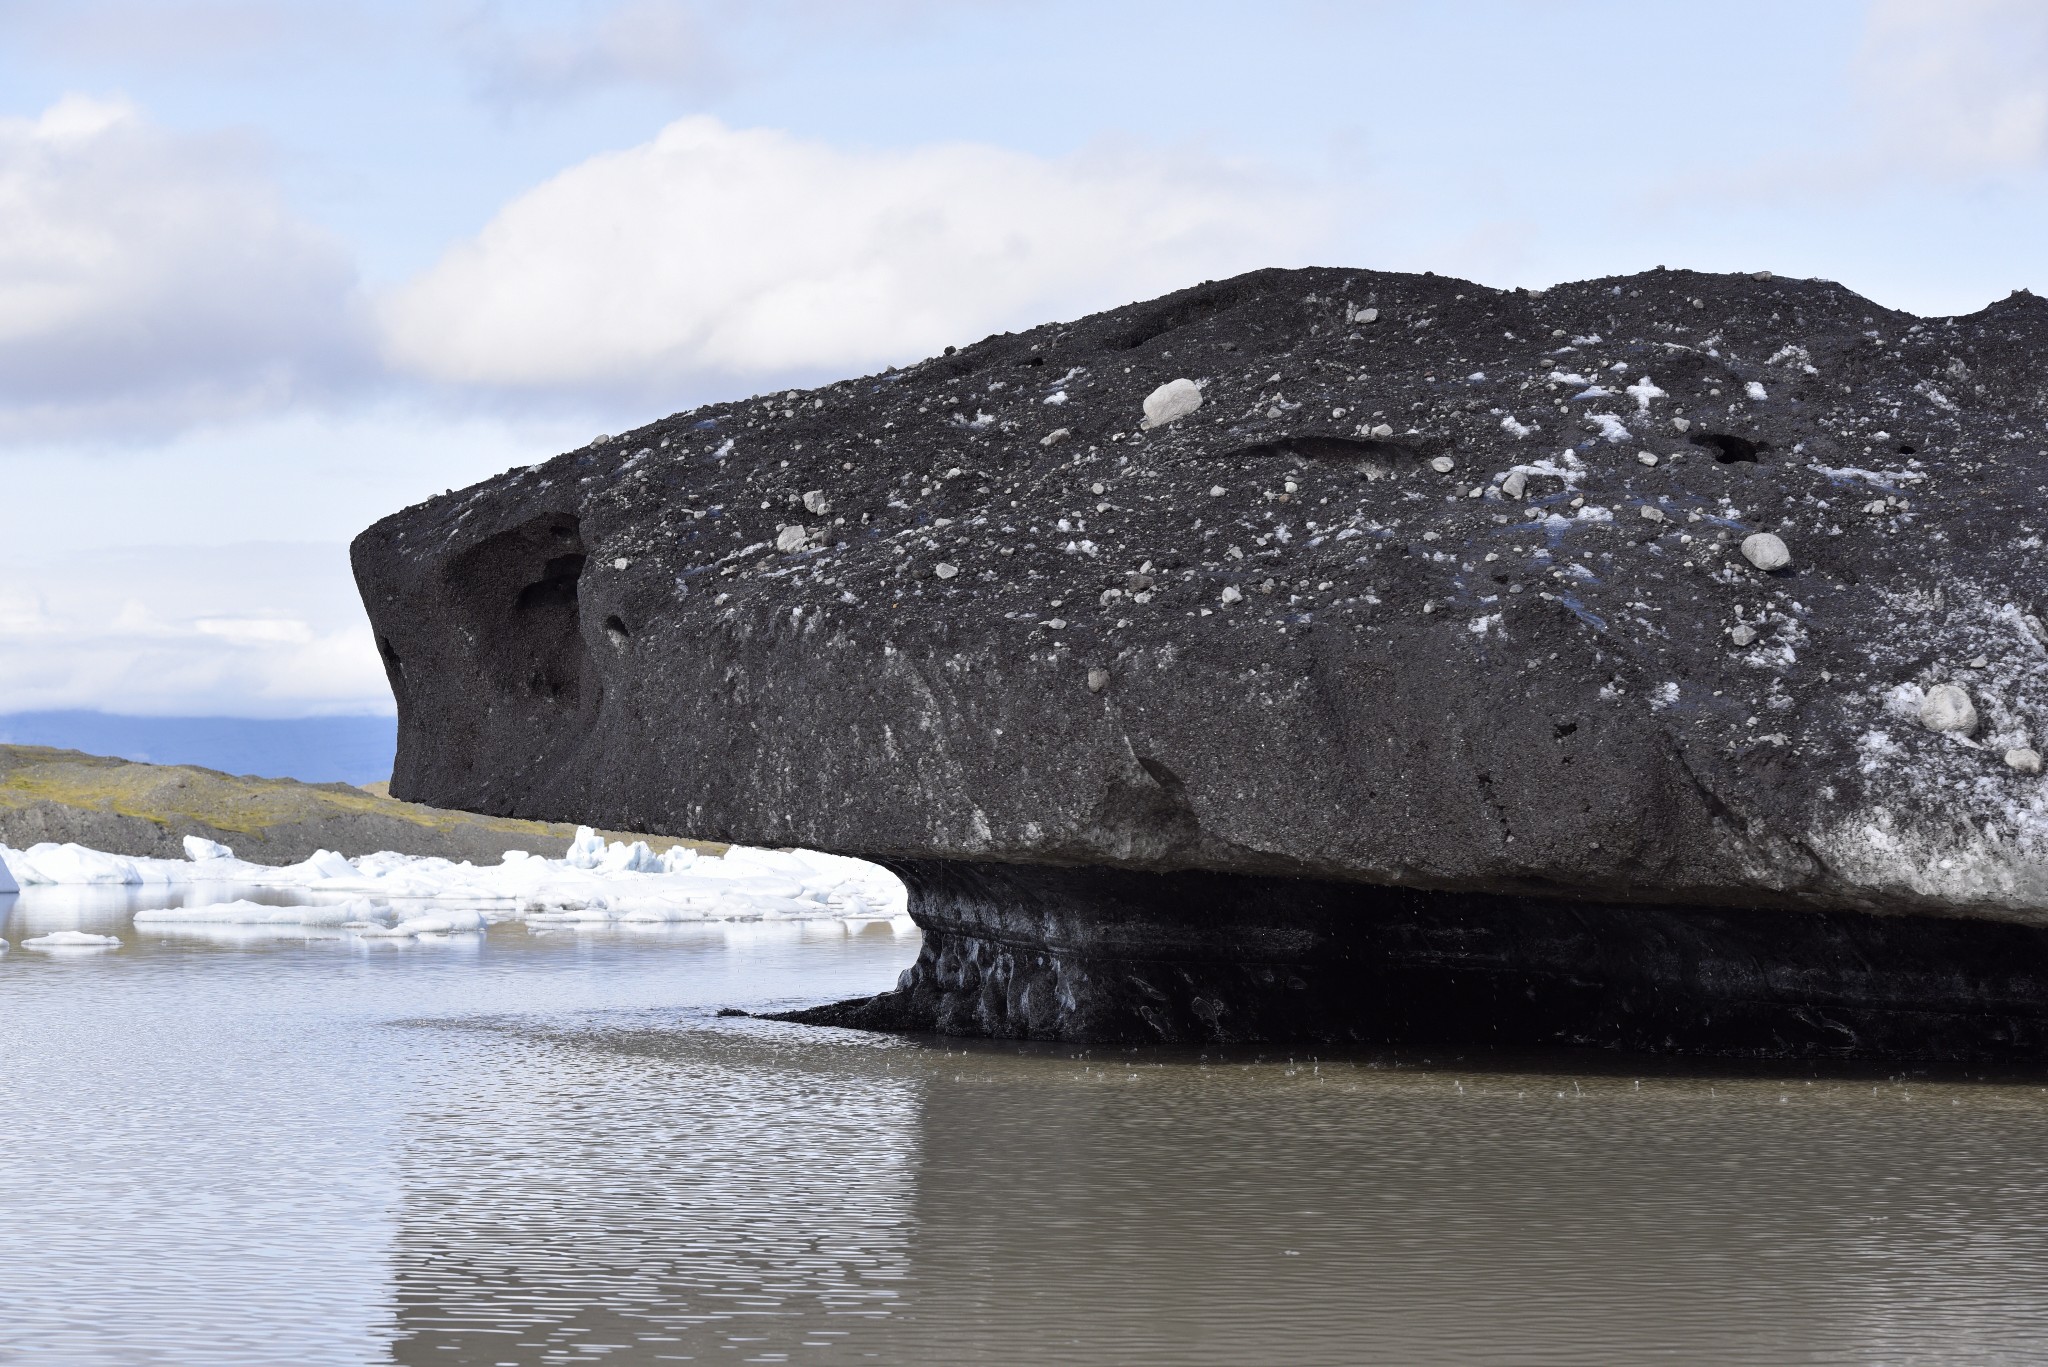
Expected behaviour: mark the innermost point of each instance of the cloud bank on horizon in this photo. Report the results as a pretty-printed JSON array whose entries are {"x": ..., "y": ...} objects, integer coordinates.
[{"x": 267, "y": 271}]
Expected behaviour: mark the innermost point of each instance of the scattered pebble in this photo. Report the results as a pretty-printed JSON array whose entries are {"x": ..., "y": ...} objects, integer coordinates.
[
  {"x": 945, "y": 571},
  {"x": 1651, "y": 514},
  {"x": 816, "y": 502},
  {"x": 1947, "y": 708},
  {"x": 1055, "y": 437},
  {"x": 1515, "y": 485},
  {"x": 1443, "y": 465},
  {"x": 1217, "y": 491},
  {"x": 1743, "y": 634},
  {"x": 1230, "y": 593},
  {"x": 1647, "y": 457},
  {"x": 1171, "y": 402},
  {"x": 1098, "y": 679},
  {"x": 1766, "y": 551},
  {"x": 791, "y": 538},
  {"x": 2023, "y": 759}
]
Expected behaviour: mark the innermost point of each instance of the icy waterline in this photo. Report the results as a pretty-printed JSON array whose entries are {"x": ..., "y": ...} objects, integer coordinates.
[{"x": 380, "y": 894}]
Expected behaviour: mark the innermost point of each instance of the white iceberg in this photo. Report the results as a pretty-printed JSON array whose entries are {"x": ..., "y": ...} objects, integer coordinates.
[{"x": 594, "y": 883}]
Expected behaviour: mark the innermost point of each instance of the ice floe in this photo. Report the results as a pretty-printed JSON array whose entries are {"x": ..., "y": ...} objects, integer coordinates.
[
  {"x": 71, "y": 939},
  {"x": 397, "y": 895}
]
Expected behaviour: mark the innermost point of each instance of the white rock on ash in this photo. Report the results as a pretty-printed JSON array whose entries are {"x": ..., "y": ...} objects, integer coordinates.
[
  {"x": 1766, "y": 551},
  {"x": 1443, "y": 465},
  {"x": 1098, "y": 679},
  {"x": 1515, "y": 485},
  {"x": 1947, "y": 708},
  {"x": 1171, "y": 402},
  {"x": 2023, "y": 759},
  {"x": 790, "y": 539},
  {"x": 816, "y": 502},
  {"x": 945, "y": 571}
]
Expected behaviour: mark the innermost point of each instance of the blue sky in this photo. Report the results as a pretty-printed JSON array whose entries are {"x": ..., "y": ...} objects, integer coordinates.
[{"x": 268, "y": 270}]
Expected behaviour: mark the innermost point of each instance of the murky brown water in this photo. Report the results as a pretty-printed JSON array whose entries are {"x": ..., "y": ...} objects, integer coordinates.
[{"x": 534, "y": 1148}]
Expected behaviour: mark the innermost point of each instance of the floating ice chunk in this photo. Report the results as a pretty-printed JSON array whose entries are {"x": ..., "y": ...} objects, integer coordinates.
[
  {"x": 452, "y": 922},
  {"x": 1171, "y": 402},
  {"x": 586, "y": 850},
  {"x": 1947, "y": 708},
  {"x": 1766, "y": 551},
  {"x": 71, "y": 939},
  {"x": 242, "y": 913},
  {"x": 199, "y": 849},
  {"x": 633, "y": 858},
  {"x": 7, "y": 883},
  {"x": 73, "y": 864}
]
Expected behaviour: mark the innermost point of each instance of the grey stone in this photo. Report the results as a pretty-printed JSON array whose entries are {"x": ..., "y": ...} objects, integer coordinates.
[
  {"x": 1946, "y": 707},
  {"x": 1766, "y": 550}
]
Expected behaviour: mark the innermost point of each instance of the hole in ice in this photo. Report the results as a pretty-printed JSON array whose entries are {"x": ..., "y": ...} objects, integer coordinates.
[{"x": 1730, "y": 449}]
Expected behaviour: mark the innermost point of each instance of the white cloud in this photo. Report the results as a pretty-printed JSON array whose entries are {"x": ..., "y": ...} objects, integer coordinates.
[
  {"x": 149, "y": 278},
  {"x": 251, "y": 630},
  {"x": 712, "y": 251},
  {"x": 664, "y": 43},
  {"x": 1959, "y": 86}
]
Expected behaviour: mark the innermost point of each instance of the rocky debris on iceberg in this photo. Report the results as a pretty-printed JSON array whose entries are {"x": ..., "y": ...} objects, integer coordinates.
[{"x": 1642, "y": 602}]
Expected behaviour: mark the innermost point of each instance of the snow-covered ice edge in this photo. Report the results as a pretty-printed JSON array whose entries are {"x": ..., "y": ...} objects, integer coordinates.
[{"x": 595, "y": 882}]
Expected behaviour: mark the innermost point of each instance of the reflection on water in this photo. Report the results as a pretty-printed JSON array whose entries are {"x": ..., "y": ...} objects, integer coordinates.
[{"x": 530, "y": 1147}]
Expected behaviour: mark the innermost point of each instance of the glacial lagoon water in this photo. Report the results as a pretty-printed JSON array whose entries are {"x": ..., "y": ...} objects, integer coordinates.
[{"x": 253, "y": 1145}]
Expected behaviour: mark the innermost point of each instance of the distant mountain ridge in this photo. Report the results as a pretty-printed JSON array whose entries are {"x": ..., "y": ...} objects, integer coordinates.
[{"x": 354, "y": 750}]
